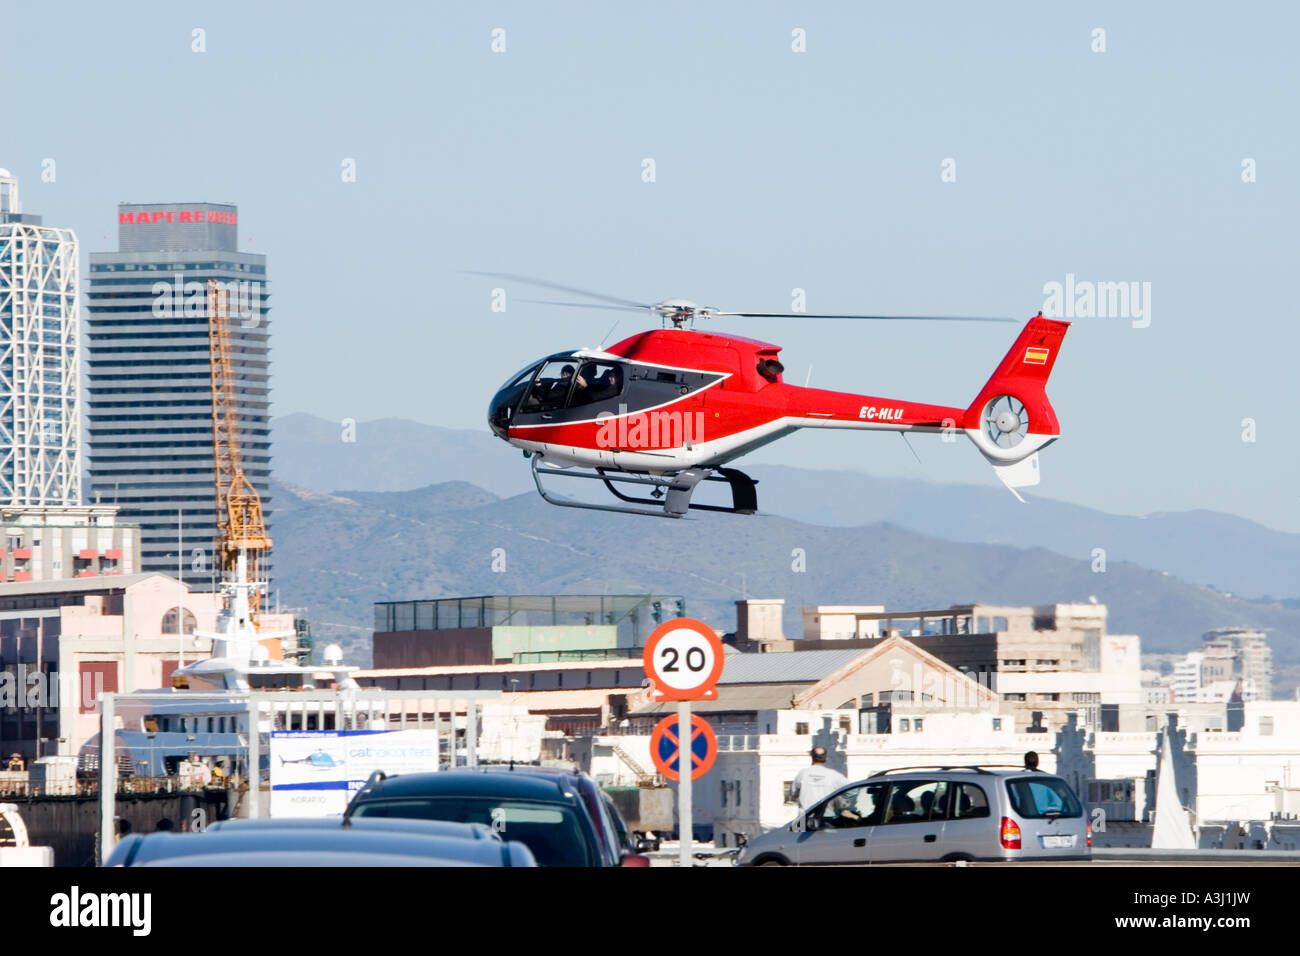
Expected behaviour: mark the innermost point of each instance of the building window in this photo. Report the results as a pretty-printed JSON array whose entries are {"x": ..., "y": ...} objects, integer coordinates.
[
  {"x": 801, "y": 729},
  {"x": 916, "y": 725},
  {"x": 169, "y": 621},
  {"x": 999, "y": 624},
  {"x": 997, "y": 723},
  {"x": 904, "y": 725},
  {"x": 1013, "y": 696},
  {"x": 1266, "y": 726},
  {"x": 722, "y": 786},
  {"x": 737, "y": 793}
]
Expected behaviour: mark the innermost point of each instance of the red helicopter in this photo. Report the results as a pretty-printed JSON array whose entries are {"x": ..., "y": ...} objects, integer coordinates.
[{"x": 669, "y": 408}]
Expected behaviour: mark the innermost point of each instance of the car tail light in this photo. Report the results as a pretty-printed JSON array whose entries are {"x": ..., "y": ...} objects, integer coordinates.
[
  {"x": 1089, "y": 826},
  {"x": 1010, "y": 834}
]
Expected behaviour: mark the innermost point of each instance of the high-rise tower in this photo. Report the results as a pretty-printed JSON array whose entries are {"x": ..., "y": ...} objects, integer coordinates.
[
  {"x": 40, "y": 360},
  {"x": 148, "y": 375}
]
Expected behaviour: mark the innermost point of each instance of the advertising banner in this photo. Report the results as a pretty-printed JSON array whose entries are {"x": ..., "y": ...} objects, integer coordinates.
[{"x": 315, "y": 773}]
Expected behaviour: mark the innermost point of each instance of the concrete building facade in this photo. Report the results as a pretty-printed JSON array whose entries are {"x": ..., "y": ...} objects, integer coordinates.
[{"x": 47, "y": 544}]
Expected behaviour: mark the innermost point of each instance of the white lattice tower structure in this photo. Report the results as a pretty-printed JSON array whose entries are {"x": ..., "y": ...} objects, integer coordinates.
[{"x": 40, "y": 359}]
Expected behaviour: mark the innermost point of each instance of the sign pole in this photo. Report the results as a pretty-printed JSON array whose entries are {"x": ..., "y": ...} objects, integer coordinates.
[
  {"x": 683, "y": 660},
  {"x": 685, "y": 767}
]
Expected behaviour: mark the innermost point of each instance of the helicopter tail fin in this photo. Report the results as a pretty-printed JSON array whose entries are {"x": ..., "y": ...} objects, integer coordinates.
[{"x": 1011, "y": 418}]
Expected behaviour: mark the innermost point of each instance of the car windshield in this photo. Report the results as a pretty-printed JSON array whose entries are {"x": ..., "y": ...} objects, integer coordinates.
[
  {"x": 1039, "y": 797},
  {"x": 552, "y": 831}
]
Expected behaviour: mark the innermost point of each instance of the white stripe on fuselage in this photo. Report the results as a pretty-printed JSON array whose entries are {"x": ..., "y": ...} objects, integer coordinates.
[{"x": 708, "y": 453}]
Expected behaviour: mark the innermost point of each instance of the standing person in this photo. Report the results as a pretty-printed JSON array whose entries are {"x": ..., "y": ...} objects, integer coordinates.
[
  {"x": 1031, "y": 760},
  {"x": 813, "y": 783}
]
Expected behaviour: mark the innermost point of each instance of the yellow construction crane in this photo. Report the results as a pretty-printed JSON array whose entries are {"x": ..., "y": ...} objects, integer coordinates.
[{"x": 240, "y": 525}]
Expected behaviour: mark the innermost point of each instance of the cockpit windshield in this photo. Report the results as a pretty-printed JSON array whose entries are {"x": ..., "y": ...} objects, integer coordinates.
[
  {"x": 519, "y": 378},
  {"x": 562, "y": 381}
]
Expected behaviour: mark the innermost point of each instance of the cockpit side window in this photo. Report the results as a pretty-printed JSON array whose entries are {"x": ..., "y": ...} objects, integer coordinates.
[
  {"x": 597, "y": 382},
  {"x": 550, "y": 390}
]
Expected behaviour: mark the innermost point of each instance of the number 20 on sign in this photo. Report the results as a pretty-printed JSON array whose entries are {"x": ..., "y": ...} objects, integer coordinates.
[{"x": 683, "y": 660}]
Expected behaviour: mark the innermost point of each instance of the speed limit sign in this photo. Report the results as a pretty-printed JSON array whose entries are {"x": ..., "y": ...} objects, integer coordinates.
[{"x": 683, "y": 660}]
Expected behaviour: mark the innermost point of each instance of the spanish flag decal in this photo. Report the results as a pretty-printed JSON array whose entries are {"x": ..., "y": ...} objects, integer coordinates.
[{"x": 1035, "y": 356}]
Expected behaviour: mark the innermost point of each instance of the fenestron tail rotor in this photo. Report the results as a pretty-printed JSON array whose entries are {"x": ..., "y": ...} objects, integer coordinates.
[
  {"x": 1006, "y": 422},
  {"x": 681, "y": 312}
]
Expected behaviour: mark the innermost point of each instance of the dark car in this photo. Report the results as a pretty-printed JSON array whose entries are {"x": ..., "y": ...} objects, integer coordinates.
[
  {"x": 321, "y": 843},
  {"x": 544, "y": 809},
  {"x": 600, "y": 807}
]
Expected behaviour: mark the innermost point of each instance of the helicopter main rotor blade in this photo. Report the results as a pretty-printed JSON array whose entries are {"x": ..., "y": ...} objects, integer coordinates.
[
  {"x": 543, "y": 283},
  {"x": 869, "y": 318},
  {"x": 589, "y": 305}
]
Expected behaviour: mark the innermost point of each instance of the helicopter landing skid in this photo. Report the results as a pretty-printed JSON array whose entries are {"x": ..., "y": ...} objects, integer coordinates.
[{"x": 670, "y": 495}]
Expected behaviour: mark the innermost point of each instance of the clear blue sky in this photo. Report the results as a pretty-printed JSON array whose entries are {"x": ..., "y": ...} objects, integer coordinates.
[{"x": 775, "y": 170}]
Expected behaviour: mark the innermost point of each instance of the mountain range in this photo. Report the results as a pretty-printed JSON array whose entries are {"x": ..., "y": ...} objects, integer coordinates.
[
  {"x": 1221, "y": 551},
  {"x": 338, "y": 553}
]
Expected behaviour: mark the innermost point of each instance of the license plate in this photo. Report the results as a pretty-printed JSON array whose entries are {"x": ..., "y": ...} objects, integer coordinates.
[{"x": 1053, "y": 842}]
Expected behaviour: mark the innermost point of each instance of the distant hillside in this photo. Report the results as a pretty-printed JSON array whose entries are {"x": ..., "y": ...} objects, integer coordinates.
[
  {"x": 337, "y": 554},
  {"x": 1208, "y": 548},
  {"x": 391, "y": 455}
]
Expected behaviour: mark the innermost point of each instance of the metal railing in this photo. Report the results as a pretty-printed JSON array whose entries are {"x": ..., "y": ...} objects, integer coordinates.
[
  {"x": 363, "y": 708},
  {"x": 590, "y": 654}
]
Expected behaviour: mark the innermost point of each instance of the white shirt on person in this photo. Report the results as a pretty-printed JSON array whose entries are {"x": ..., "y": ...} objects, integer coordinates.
[{"x": 812, "y": 784}]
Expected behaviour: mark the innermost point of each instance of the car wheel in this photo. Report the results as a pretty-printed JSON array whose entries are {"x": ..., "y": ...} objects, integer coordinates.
[
  {"x": 957, "y": 858},
  {"x": 771, "y": 861}
]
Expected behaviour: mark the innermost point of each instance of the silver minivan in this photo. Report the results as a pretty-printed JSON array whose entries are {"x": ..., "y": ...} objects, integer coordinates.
[{"x": 933, "y": 815}]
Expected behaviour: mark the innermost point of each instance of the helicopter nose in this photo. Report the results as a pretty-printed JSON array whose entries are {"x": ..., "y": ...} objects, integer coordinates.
[{"x": 498, "y": 415}]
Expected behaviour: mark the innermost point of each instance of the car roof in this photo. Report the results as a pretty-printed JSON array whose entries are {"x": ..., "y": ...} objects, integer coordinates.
[
  {"x": 445, "y": 828},
  {"x": 960, "y": 773},
  {"x": 307, "y": 858},
  {"x": 158, "y": 847},
  {"x": 469, "y": 782}
]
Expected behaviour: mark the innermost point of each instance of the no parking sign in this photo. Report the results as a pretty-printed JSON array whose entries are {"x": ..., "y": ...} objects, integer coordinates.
[{"x": 666, "y": 748}]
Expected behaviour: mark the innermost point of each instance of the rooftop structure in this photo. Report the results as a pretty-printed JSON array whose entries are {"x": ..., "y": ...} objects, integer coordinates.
[{"x": 502, "y": 628}]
